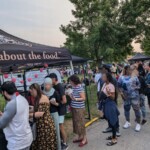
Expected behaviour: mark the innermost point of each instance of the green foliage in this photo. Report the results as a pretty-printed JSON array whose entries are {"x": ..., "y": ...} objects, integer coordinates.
[
  {"x": 106, "y": 28},
  {"x": 146, "y": 43},
  {"x": 2, "y": 103}
]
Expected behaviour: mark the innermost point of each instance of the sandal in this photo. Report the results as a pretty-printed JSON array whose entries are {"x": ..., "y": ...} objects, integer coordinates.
[
  {"x": 82, "y": 144},
  {"x": 111, "y": 143},
  {"x": 109, "y": 138},
  {"x": 77, "y": 140}
]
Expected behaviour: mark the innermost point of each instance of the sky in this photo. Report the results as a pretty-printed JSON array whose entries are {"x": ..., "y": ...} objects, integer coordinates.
[{"x": 37, "y": 20}]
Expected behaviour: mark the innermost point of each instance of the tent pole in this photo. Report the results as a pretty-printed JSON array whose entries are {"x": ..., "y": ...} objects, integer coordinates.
[
  {"x": 25, "y": 85},
  {"x": 71, "y": 65},
  {"x": 87, "y": 98}
]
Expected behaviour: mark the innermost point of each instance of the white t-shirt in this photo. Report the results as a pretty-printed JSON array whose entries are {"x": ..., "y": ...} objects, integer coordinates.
[{"x": 97, "y": 77}]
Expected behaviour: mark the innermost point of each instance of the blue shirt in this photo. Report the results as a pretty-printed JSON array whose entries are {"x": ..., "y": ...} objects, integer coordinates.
[
  {"x": 76, "y": 94},
  {"x": 130, "y": 86}
]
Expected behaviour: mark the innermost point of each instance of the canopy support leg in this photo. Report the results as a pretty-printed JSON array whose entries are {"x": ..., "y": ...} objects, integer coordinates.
[
  {"x": 87, "y": 98},
  {"x": 72, "y": 68},
  {"x": 25, "y": 85}
]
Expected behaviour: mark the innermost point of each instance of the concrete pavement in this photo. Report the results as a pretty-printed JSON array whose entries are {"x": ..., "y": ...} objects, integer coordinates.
[{"x": 129, "y": 140}]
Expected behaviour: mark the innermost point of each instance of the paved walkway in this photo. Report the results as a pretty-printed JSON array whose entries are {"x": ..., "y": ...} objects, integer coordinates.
[{"x": 130, "y": 140}]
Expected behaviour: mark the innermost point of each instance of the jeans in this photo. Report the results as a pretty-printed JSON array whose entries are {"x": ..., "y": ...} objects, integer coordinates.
[
  {"x": 55, "y": 117},
  {"x": 142, "y": 105},
  {"x": 135, "y": 103},
  {"x": 114, "y": 129}
]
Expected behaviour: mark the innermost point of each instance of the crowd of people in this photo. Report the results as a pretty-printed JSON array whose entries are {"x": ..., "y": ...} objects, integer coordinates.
[
  {"x": 37, "y": 121},
  {"x": 133, "y": 84}
]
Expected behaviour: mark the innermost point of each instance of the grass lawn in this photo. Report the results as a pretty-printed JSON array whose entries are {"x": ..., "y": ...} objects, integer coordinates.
[
  {"x": 2, "y": 103},
  {"x": 92, "y": 97}
]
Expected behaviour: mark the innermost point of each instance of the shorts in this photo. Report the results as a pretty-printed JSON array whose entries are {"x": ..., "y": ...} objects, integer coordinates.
[{"x": 61, "y": 119}]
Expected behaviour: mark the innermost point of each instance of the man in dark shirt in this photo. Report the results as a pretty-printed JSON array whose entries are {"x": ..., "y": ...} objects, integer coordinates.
[
  {"x": 142, "y": 97},
  {"x": 62, "y": 108}
]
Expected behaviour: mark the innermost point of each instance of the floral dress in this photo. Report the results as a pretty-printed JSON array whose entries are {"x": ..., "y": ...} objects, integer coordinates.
[{"x": 46, "y": 135}]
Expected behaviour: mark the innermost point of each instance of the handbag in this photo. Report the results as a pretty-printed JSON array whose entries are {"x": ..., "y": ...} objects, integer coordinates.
[{"x": 103, "y": 97}]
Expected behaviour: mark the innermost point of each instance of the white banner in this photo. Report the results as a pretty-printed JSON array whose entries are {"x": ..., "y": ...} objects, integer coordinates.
[
  {"x": 35, "y": 77},
  {"x": 17, "y": 78},
  {"x": 57, "y": 73}
]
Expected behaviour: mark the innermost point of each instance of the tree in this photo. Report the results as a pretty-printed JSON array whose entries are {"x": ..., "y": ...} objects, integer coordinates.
[
  {"x": 86, "y": 12},
  {"x": 146, "y": 43},
  {"x": 136, "y": 15},
  {"x": 105, "y": 28}
]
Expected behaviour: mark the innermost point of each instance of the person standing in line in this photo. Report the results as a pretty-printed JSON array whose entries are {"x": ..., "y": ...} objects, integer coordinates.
[
  {"x": 110, "y": 109},
  {"x": 114, "y": 69},
  {"x": 97, "y": 81},
  {"x": 142, "y": 96},
  {"x": 54, "y": 98},
  {"x": 61, "y": 110},
  {"x": 78, "y": 110},
  {"x": 15, "y": 119},
  {"x": 129, "y": 88},
  {"x": 106, "y": 69},
  {"x": 141, "y": 70},
  {"x": 46, "y": 134},
  {"x": 147, "y": 80}
]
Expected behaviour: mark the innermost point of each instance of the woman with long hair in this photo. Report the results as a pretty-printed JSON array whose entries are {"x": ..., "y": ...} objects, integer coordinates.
[
  {"x": 46, "y": 135},
  {"x": 78, "y": 110},
  {"x": 109, "y": 105},
  {"x": 129, "y": 88}
]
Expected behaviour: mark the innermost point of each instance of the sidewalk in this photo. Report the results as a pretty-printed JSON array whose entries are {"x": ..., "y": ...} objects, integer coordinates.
[{"x": 130, "y": 140}]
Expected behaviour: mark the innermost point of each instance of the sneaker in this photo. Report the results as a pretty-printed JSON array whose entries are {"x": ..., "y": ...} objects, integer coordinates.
[
  {"x": 127, "y": 125},
  {"x": 64, "y": 146},
  {"x": 138, "y": 127},
  {"x": 118, "y": 134},
  {"x": 107, "y": 130},
  {"x": 143, "y": 122}
]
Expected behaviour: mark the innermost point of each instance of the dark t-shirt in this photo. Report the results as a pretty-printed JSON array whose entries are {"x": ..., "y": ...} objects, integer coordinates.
[
  {"x": 61, "y": 91},
  {"x": 142, "y": 85},
  {"x": 54, "y": 108}
]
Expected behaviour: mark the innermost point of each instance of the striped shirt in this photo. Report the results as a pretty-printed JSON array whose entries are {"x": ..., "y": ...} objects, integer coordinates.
[{"x": 76, "y": 94}]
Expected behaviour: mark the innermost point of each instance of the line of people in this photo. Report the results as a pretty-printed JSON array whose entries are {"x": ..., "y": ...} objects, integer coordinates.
[
  {"x": 47, "y": 113},
  {"x": 133, "y": 84},
  {"x": 46, "y": 132}
]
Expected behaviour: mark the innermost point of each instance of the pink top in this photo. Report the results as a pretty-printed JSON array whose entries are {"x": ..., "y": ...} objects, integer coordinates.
[{"x": 110, "y": 87}]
